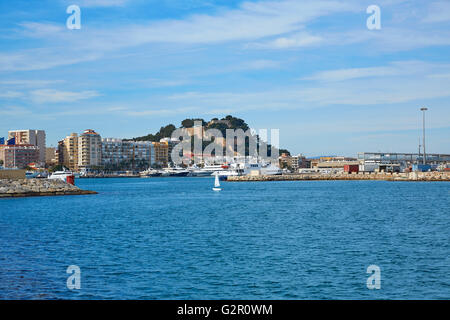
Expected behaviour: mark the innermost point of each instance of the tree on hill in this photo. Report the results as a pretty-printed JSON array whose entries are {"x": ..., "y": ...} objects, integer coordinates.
[
  {"x": 164, "y": 132},
  {"x": 229, "y": 122},
  {"x": 189, "y": 123},
  {"x": 236, "y": 123},
  {"x": 284, "y": 151},
  {"x": 222, "y": 127}
]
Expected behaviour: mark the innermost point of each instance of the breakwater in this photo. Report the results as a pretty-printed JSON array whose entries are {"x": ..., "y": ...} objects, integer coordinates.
[
  {"x": 412, "y": 176},
  {"x": 38, "y": 187}
]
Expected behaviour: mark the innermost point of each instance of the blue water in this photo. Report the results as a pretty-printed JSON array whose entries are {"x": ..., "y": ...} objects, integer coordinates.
[{"x": 174, "y": 238}]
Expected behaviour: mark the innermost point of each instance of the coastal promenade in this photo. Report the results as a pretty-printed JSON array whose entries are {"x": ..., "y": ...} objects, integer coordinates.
[
  {"x": 38, "y": 187},
  {"x": 412, "y": 176}
]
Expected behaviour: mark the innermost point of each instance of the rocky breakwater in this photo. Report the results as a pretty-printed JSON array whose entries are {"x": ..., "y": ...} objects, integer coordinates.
[
  {"x": 413, "y": 176},
  {"x": 38, "y": 187}
]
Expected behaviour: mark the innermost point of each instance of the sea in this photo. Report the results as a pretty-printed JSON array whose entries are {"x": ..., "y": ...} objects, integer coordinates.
[{"x": 175, "y": 238}]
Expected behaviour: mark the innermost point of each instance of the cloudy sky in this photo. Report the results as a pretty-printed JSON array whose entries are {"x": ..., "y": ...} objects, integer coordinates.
[{"x": 309, "y": 68}]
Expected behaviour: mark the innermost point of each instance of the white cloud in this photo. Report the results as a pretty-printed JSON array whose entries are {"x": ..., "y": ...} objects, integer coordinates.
[
  {"x": 29, "y": 83},
  {"x": 161, "y": 83},
  {"x": 387, "y": 85},
  {"x": 13, "y": 111},
  {"x": 396, "y": 39},
  {"x": 259, "y": 64},
  {"x": 161, "y": 112},
  {"x": 298, "y": 40},
  {"x": 11, "y": 94},
  {"x": 438, "y": 12},
  {"x": 40, "y": 59},
  {"x": 401, "y": 68},
  {"x": 249, "y": 22},
  {"x": 100, "y": 3},
  {"x": 439, "y": 76},
  {"x": 252, "y": 20},
  {"x": 260, "y": 25},
  {"x": 55, "y": 96}
]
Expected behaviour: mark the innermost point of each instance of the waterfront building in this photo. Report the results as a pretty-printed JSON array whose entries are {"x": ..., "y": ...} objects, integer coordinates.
[
  {"x": 89, "y": 150},
  {"x": 161, "y": 153},
  {"x": 143, "y": 154},
  {"x": 293, "y": 163},
  {"x": 30, "y": 137},
  {"x": 19, "y": 156},
  {"x": 59, "y": 153},
  {"x": 68, "y": 156},
  {"x": 118, "y": 154},
  {"x": 172, "y": 142},
  {"x": 332, "y": 162},
  {"x": 51, "y": 156},
  {"x": 378, "y": 161},
  {"x": 336, "y": 163}
]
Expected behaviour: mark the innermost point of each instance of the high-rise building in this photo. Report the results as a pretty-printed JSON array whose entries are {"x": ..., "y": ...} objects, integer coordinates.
[
  {"x": 89, "y": 149},
  {"x": 30, "y": 137},
  {"x": 118, "y": 154},
  {"x": 60, "y": 152},
  {"x": 69, "y": 154}
]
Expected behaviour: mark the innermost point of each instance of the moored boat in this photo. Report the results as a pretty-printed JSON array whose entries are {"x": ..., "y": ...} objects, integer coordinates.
[
  {"x": 65, "y": 175},
  {"x": 150, "y": 173}
]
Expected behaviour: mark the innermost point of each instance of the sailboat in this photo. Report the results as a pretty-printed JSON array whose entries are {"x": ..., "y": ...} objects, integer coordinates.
[{"x": 216, "y": 182}]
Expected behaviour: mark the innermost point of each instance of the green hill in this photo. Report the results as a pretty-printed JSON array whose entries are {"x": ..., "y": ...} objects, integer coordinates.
[{"x": 229, "y": 122}]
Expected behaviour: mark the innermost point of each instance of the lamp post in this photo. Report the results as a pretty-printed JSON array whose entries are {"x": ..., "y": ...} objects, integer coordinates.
[{"x": 424, "y": 150}]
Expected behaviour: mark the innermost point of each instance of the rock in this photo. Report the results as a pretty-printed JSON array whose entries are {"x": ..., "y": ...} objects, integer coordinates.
[{"x": 38, "y": 187}]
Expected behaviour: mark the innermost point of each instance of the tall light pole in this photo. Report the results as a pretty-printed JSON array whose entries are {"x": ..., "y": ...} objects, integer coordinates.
[{"x": 424, "y": 150}]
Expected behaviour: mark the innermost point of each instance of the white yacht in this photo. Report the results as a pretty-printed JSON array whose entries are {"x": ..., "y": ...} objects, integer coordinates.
[
  {"x": 208, "y": 170},
  {"x": 150, "y": 173},
  {"x": 61, "y": 175},
  {"x": 176, "y": 172}
]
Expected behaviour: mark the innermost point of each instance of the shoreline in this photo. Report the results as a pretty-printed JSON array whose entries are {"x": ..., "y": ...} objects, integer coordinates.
[{"x": 411, "y": 177}]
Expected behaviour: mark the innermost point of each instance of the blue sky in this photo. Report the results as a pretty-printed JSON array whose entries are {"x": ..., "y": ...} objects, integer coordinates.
[{"x": 309, "y": 68}]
